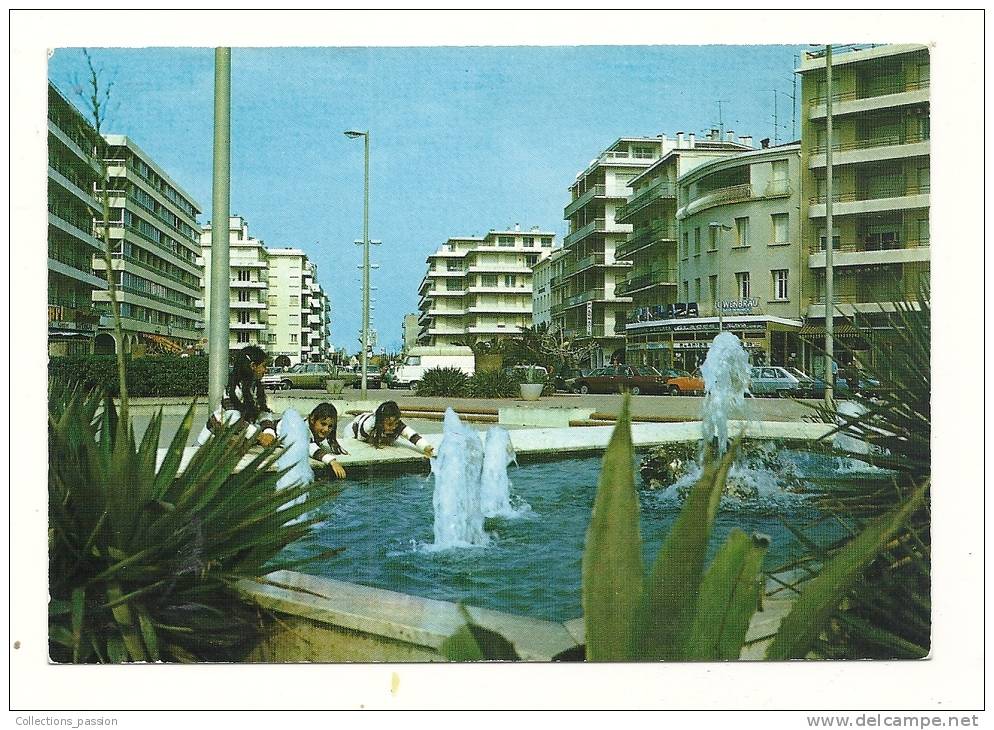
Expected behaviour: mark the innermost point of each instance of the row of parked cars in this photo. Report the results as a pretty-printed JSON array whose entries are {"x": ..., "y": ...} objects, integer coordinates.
[
  {"x": 314, "y": 375},
  {"x": 765, "y": 381}
]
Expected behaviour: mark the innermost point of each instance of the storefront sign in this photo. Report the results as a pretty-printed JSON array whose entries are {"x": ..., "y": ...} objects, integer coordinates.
[
  {"x": 713, "y": 326},
  {"x": 590, "y": 318},
  {"x": 738, "y": 306}
]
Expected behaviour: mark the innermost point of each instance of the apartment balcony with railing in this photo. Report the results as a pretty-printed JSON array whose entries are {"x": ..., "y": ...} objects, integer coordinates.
[
  {"x": 659, "y": 190},
  {"x": 646, "y": 236},
  {"x": 872, "y": 198},
  {"x": 598, "y": 225},
  {"x": 857, "y": 253},
  {"x": 872, "y": 149},
  {"x": 719, "y": 196},
  {"x": 647, "y": 280}
]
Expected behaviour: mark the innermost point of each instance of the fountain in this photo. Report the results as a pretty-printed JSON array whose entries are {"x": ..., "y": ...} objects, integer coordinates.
[
  {"x": 458, "y": 467},
  {"x": 726, "y": 373},
  {"x": 495, "y": 487}
]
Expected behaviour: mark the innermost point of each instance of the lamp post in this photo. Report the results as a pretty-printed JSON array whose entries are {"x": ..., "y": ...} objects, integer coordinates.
[
  {"x": 829, "y": 244},
  {"x": 718, "y": 228},
  {"x": 353, "y": 134}
]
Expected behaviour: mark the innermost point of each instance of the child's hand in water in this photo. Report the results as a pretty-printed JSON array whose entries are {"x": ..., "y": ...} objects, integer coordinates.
[
  {"x": 337, "y": 470},
  {"x": 265, "y": 439},
  {"x": 429, "y": 451}
]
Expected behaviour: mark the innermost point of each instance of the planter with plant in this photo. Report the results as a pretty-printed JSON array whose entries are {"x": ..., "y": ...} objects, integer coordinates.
[{"x": 533, "y": 384}]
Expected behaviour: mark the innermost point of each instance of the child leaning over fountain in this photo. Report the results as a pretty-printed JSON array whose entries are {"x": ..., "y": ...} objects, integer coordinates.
[
  {"x": 324, "y": 447},
  {"x": 384, "y": 426},
  {"x": 244, "y": 399}
]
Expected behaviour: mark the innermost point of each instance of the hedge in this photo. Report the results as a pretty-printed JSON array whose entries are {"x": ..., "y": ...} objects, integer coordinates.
[{"x": 152, "y": 375}]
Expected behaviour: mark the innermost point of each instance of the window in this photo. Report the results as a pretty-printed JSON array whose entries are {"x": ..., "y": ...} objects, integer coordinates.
[
  {"x": 488, "y": 280},
  {"x": 272, "y": 338},
  {"x": 712, "y": 239},
  {"x": 686, "y": 244},
  {"x": 243, "y": 296},
  {"x": 741, "y": 231},
  {"x": 243, "y": 275},
  {"x": 294, "y": 300},
  {"x": 713, "y": 287},
  {"x": 822, "y": 240},
  {"x": 505, "y": 240},
  {"x": 922, "y": 226},
  {"x": 272, "y": 300},
  {"x": 642, "y": 152},
  {"x": 243, "y": 318},
  {"x": 528, "y": 241},
  {"x": 454, "y": 266},
  {"x": 294, "y": 319},
  {"x": 742, "y": 285},
  {"x": 697, "y": 241},
  {"x": 242, "y": 337},
  {"x": 510, "y": 280},
  {"x": 293, "y": 339},
  {"x": 780, "y": 284},
  {"x": 923, "y": 179},
  {"x": 697, "y": 290},
  {"x": 780, "y": 222},
  {"x": 546, "y": 242},
  {"x": 686, "y": 290}
]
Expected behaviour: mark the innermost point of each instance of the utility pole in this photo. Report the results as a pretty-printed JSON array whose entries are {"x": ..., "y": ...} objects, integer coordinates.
[{"x": 218, "y": 332}]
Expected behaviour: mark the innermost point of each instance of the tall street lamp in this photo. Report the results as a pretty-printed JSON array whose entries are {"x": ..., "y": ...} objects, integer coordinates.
[
  {"x": 717, "y": 228},
  {"x": 353, "y": 134}
]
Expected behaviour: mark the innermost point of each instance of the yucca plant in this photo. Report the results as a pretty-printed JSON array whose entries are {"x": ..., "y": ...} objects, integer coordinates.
[
  {"x": 684, "y": 610},
  {"x": 444, "y": 382},
  {"x": 494, "y": 384},
  {"x": 143, "y": 558}
]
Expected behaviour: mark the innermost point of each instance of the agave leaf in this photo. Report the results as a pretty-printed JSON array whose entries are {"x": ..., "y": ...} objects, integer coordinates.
[
  {"x": 728, "y": 598},
  {"x": 78, "y": 609},
  {"x": 60, "y": 635},
  {"x": 473, "y": 642},
  {"x": 148, "y": 632},
  {"x": 116, "y": 652},
  {"x": 612, "y": 556},
  {"x": 823, "y": 594},
  {"x": 666, "y": 612},
  {"x": 174, "y": 454},
  {"x": 58, "y": 608}
]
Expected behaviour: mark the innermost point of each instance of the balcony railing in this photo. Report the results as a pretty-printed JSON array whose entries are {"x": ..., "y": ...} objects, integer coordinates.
[
  {"x": 880, "y": 193},
  {"x": 574, "y": 267},
  {"x": 776, "y": 188},
  {"x": 871, "y": 143},
  {"x": 597, "y": 224},
  {"x": 583, "y": 199},
  {"x": 895, "y": 87},
  {"x": 852, "y": 246},
  {"x": 656, "y": 277},
  {"x": 643, "y": 237},
  {"x": 658, "y": 190},
  {"x": 730, "y": 194}
]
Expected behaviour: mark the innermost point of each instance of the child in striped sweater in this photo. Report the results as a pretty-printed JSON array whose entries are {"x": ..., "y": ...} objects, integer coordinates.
[
  {"x": 324, "y": 447},
  {"x": 384, "y": 426}
]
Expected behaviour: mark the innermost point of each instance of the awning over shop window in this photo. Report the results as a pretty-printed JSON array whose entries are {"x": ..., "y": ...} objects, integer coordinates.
[{"x": 810, "y": 331}]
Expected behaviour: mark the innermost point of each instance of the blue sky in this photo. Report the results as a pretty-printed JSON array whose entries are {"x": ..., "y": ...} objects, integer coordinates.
[{"x": 464, "y": 139}]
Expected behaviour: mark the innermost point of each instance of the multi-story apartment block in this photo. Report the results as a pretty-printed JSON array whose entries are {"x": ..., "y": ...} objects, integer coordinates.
[
  {"x": 315, "y": 316},
  {"x": 481, "y": 288},
  {"x": 653, "y": 280},
  {"x": 289, "y": 310},
  {"x": 410, "y": 330},
  {"x": 73, "y": 174},
  {"x": 155, "y": 239},
  {"x": 542, "y": 275},
  {"x": 880, "y": 162},
  {"x": 739, "y": 251},
  {"x": 248, "y": 263},
  {"x": 585, "y": 301}
]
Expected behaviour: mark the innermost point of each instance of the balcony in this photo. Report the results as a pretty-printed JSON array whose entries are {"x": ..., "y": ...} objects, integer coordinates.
[
  {"x": 853, "y": 254},
  {"x": 882, "y": 198},
  {"x": 459, "y": 273},
  {"x": 720, "y": 196},
  {"x": 871, "y": 149},
  {"x": 598, "y": 225},
  {"x": 446, "y": 312},
  {"x": 882, "y": 96},
  {"x": 483, "y": 289},
  {"x": 494, "y": 329},
  {"x": 498, "y": 309},
  {"x": 644, "y": 237},
  {"x": 235, "y": 304},
  {"x": 659, "y": 190},
  {"x": 597, "y": 191},
  {"x": 575, "y": 267},
  {"x": 777, "y": 189},
  {"x": 499, "y": 269},
  {"x": 244, "y": 326},
  {"x": 656, "y": 277},
  {"x": 581, "y": 331},
  {"x": 591, "y": 295},
  {"x": 239, "y": 284}
]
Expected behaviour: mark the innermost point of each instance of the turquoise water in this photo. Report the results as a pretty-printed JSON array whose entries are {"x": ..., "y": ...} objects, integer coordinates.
[{"x": 532, "y": 565}]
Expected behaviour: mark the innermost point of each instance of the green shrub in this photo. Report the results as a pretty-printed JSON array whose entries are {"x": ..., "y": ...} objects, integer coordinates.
[
  {"x": 153, "y": 375},
  {"x": 494, "y": 384},
  {"x": 144, "y": 561},
  {"x": 444, "y": 382}
]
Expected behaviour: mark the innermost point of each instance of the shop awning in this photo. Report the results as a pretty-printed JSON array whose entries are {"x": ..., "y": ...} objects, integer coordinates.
[{"x": 811, "y": 331}]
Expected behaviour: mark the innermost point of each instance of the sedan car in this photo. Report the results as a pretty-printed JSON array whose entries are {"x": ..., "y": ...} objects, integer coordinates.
[
  {"x": 685, "y": 383},
  {"x": 634, "y": 379},
  {"x": 776, "y": 382}
]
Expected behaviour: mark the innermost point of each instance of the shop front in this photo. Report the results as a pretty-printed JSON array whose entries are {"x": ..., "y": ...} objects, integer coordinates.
[{"x": 683, "y": 344}]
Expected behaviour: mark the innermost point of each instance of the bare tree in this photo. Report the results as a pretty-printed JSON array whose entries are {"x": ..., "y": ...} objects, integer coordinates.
[{"x": 97, "y": 97}]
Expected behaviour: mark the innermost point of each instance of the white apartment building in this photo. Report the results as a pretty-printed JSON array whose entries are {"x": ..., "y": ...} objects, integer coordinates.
[
  {"x": 585, "y": 303},
  {"x": 73, "y": 175},
  {"x": 481, "y": 288},
  {"x": 155, "y": 239},
  {"x": 249, "y": 265},
  {"x": 289, "y": 307},
  {"x": 542, "y": 274}
]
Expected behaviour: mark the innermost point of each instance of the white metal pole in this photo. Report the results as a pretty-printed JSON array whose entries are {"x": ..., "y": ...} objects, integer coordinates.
[{"x": 218, "y": 332}]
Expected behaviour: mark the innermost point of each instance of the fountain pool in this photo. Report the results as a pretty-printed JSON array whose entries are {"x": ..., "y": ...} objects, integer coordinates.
[{"x": 530, "y": 563}]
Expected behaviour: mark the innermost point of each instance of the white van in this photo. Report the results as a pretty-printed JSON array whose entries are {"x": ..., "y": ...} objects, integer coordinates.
[{"x": 422, "y": 359}]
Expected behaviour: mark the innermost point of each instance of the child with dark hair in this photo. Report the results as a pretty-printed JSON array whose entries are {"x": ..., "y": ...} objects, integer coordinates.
[
  {"x": 383, "y": 427},
  {"x": 324, "y": 446},
  {"x": 244, "y": 399}
]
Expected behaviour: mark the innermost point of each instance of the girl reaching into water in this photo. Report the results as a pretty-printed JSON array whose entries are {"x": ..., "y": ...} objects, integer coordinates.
[
  {"x": 244, "y": 399},
  {"x": 324, "y": 447},
  {"x": 383, "y": 427}
]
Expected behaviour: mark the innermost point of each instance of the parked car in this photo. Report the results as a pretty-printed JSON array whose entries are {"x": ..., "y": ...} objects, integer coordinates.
[
  {"x": 776, "y": 382},
  {"x": 305, "y": 375},
  {"x": 815, "y": 387},
  {"x": 565, "y": 380},
  {"x": 373, "y": 378},
  {"x": 636, "y": 379},
  {"x": 685, "y": 383}
]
